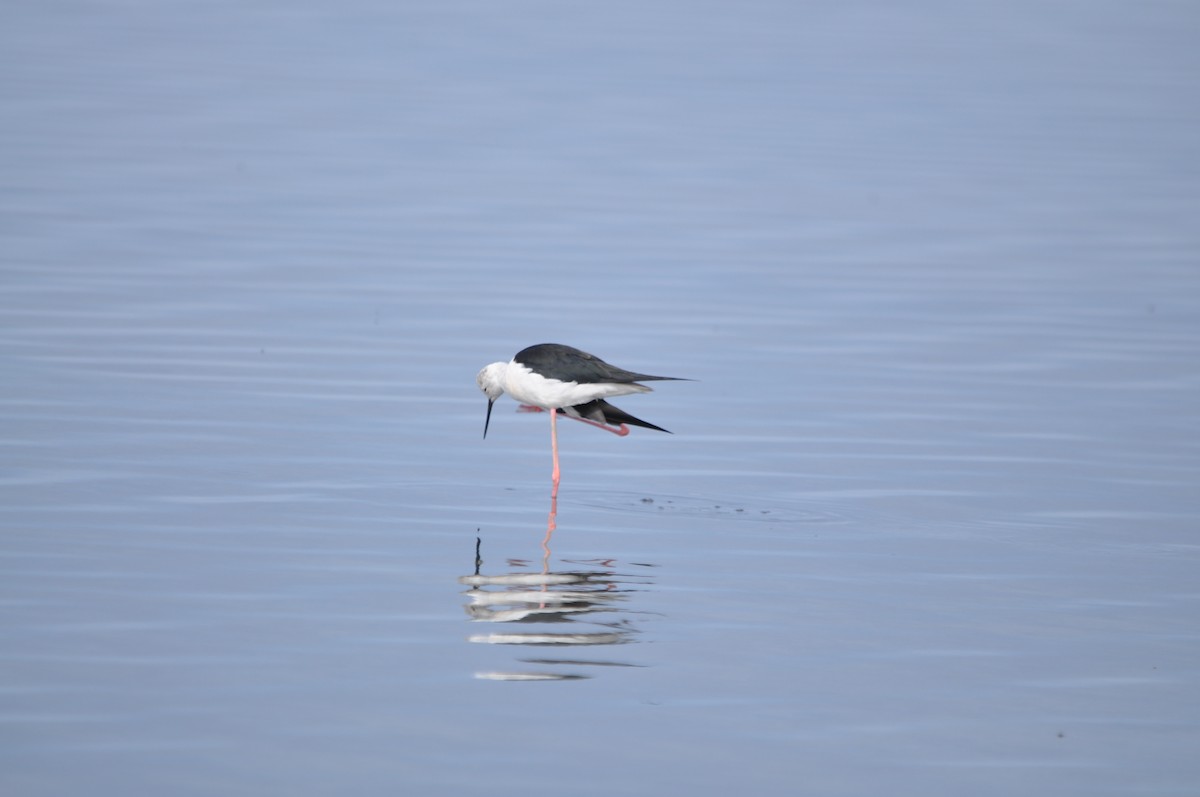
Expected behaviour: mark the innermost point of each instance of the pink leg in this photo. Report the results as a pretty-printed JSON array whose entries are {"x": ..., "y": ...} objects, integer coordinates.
[
  {"x": 551, "y": 525},
  {"x": 619, "y": 431},
  {"x": 554, "y": 451}
]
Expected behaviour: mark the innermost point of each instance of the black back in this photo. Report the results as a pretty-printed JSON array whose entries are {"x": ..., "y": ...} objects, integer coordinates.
[{"x": 568, "y": 364}]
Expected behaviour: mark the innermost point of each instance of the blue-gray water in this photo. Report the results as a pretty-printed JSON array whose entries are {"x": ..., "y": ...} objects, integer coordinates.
[{"x": 928, "y": 522}]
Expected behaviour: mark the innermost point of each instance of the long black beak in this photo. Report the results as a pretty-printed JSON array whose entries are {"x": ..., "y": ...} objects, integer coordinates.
[{"x": 488, "y": 419}]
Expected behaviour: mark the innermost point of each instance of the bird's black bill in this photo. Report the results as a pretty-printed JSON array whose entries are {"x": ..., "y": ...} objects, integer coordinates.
[{"x": 488, "y": 419}]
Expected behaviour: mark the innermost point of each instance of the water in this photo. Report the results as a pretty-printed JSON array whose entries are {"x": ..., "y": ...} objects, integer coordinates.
[{"x": 927, "y": 521}]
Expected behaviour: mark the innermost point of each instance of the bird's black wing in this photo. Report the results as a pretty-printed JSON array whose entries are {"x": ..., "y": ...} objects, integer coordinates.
[{"x": 573, "y": 365}]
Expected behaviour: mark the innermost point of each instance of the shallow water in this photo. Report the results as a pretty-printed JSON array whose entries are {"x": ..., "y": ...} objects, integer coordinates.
[{"x": 926, "y": 522}]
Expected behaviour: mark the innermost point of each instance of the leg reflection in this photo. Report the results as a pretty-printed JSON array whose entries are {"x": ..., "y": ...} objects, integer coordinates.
[
  {"x": 551, "y": 525},
  {"x": 554, "y": 615}
]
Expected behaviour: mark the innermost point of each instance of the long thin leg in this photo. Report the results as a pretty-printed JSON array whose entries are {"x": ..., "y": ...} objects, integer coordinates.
[
  {"x": 551, "y": 525},
  {"x": 619, "y": 431},
  {"x": 554, "y": 451}
]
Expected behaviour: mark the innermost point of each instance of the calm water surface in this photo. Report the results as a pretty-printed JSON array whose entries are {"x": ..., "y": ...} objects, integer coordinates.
[{"x": 927, "y": 523}]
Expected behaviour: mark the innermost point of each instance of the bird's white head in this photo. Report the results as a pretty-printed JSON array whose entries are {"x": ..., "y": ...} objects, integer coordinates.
[{"x": 491, "y": 382}]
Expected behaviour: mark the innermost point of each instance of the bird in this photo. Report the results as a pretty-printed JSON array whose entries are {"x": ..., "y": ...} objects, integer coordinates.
[{"x": 558, "y": 378}]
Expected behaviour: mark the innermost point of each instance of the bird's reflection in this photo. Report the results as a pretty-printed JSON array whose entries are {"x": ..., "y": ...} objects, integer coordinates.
[{"x": 584, "y": 605}]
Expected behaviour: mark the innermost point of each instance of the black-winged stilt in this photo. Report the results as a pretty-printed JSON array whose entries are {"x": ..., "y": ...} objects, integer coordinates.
[{"x": 557, "y": 378}]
